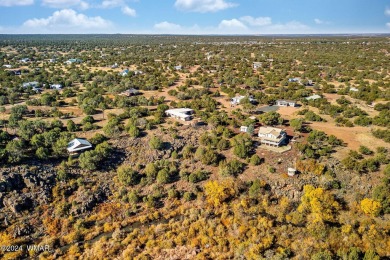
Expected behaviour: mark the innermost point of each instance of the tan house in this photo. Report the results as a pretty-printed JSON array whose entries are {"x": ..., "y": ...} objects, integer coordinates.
[{"x": 272, "y": 136}]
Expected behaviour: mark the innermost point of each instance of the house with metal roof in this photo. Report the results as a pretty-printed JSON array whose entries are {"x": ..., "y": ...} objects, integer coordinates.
[{"x": 78, "y": 145}]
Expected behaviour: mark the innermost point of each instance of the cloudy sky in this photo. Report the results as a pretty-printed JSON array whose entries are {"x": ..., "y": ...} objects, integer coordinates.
[{"x": 195, "y": 16}]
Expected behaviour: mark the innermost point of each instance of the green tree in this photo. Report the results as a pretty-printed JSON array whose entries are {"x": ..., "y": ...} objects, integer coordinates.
[
  {"x": 297, "y": 124},
  {"x": 42, "y": 153},
  {"x": 71, "y": 126},
  {"x": 15, "y": 151},
  {"x": 255, "y": 160},
  {"x": 242, "y": 145},
  {"x": 163, "y": 176},
  {"x": 134, "y": 131},
  {"x": 271, "y": 118}
]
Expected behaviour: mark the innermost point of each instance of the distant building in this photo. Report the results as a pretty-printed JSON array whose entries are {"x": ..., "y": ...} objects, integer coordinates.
[
  {"x": 71, "y": 61},
  {"x": 257, "y": 65},
  {"x": 237, "y": 100},
  {"x": 272, "y": 136},
  {"x": 8, "y": 66},
  {"x": 33, "y": 84},
  {"x": 291, "y": 171},
  {"x": 178, "y": 67},
  {"x": 294, "y": 80},
  {"x": 24, "y": 60},
  {"x": 244, "y": 129},
  {"x": 285, "y": 103},
  {"x": 184, "y": 114},
  {"x": 114, "y": 66},
  {"x": 78, "y": 145},
  {"x": 353, "y": 89},
  {"x": 130, "y": 92},
  {"x": 15, "y": 72},
  {"x": 52, "y": 60},
  {"x": 313, "y": 97},
  {"x": 56, "y": 86},
  {"x": 124, "y": 72}
]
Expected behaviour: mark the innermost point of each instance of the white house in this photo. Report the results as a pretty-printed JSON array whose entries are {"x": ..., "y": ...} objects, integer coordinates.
[
  {"x": 272, "y": 136},
  {"x": 184, "y": 114},
  {"x": 8, "y": 66},
  {"x": 33, "y": 84},
  {"x": 77, "y": 145},
  {"x": 24, "y": 60},
  {"x": 178, "y": 67},
  {"x": 130, "y": 92},
  {"x": 244, "y": 129},
  {"x": 70, "y": 61},
  {"x": 56, "y": 86},
  {"x": 237, "y": 100},
  {"x": 257, "y": 65},
  {"x": 313, "y": 97},
  {"x": 285, "y": 103},
  {"x": 291, "y": 171},
  {"x": 294, "y": 80},
  {"x": 353, "y": 89}
]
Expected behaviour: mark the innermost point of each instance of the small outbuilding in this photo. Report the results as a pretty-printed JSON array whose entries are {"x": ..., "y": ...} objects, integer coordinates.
[
  {"x": 78, "y": 145},
  {"x": 291, "y": 171},
  {"x": 285, "y": 103}
]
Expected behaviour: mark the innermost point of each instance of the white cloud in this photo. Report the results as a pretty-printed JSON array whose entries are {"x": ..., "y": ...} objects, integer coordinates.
[
  {"x": 65, "y": 3},
  {"x": 16, "y": 2},
  {"x": 167, "y": 26},
  {"x": 111, "y": 3},
  {"x": 387, "y": 11},
  {"x": 67, "y": 21},
  {"x": 319, "y": 21},
  {"x": 388, "y": 25},
  {"x": 290, "y": 27},
  {"x": 231, "y": 24},
  {"x": 129, "y": 11},
  {"x": 203, "y": 6},
  {"x": 259, "y": 21}
]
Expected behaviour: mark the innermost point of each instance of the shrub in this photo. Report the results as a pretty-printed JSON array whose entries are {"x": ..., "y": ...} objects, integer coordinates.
[
  {"x": 127, "y": 175},
  {"x": 198, "y": 176},
  {"x": 255, "y": 160},
  {"x": 232, "y": 168},
  {"x": 155, "y": 143},
  {"x": 163, "y": 176},
  {"x": 370, "y": 207}
]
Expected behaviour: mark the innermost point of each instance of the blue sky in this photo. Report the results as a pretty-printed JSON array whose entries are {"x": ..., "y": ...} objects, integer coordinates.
[{"x": 195, "y": 16}]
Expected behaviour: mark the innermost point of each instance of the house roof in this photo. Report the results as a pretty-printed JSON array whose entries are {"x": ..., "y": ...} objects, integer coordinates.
[
  {"x": 270, "y": 130},
  {"x": 179, "y": 112},
  {"x": 284, "y": 100},
  {"x": 78, "y": 144},
  {"x": 313, "y": 97}
]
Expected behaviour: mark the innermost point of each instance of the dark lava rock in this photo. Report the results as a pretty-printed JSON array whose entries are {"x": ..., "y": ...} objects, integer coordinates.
[
  {"x": 10, "y": 181},
  {"x": 18, "y": 202}
]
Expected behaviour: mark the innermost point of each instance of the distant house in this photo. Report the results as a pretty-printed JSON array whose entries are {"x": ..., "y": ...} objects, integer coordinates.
[
  {"x": 56, "y": 86},
  {"x": 71, "y": 61},
  {"x": 272, "y": 136},
  {"x": 313, "y": 97},
  {"x": 78, "y": 145},
  {"x": 15, "y": 72},
  {"x": 353, "y": 89},
  {"x": 257, "y": 65},
  {"x": 130, "y": 92},
  {"x": 33, "y": 84},
  {"x": 52, "y": 60},
  {"x": 8, "y": 66},
  {"x": 244, "y": 129},
  {"x": 184, "y": 114},
  {"x": 291, "y": 171},
  {"x": 294, "y": 80},
  {"x": 114, "y": 66},
  {"x": 124, "y": 72},
  {"x": 237, "y": 100},
  {"x": 136, "y": 72},
  {"x": 24, "y": 60},
  {"x": 285, "y": 103},
  {"x": 178, "y": 67}
]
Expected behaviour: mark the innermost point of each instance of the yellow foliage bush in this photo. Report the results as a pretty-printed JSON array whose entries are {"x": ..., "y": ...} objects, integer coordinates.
[
  {"x": 320, "y": 203},
  {"x": 310, "y": 166},
  {"x": 370, "y": 207},
  {"x": 218, "y": 192}
]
